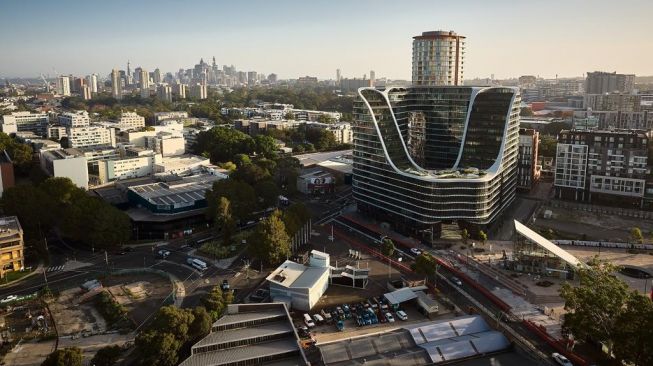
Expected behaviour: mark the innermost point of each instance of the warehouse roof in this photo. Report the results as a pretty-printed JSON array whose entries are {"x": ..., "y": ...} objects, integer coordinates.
[
  {"x": 238, "y": 354},
  {"x": 185, "y": 191},
  {"x": 291, "y": 274},
  {"x": 263, "y": 330}
]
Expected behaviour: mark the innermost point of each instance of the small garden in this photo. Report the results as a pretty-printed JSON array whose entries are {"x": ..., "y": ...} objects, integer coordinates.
[
  {"x": 114, "y": 313},
  {"x": 217, "y": 249}
]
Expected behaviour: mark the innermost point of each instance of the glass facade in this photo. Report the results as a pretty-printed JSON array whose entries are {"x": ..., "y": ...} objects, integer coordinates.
[{"x": 425, "y": 154}]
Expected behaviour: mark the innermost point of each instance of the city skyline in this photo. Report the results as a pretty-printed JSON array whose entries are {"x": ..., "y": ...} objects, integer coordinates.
[{"x": 289, "y": 39}]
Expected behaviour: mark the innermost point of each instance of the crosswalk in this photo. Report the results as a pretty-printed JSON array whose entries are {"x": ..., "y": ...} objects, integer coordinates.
[{"x": 55, "y": 268}]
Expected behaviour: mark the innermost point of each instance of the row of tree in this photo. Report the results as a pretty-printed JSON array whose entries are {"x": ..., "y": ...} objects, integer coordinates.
[
  {"x": 301, "y": 97},
  {"x": 58, "y": 203},
  {"x": 222, "y": 144}
]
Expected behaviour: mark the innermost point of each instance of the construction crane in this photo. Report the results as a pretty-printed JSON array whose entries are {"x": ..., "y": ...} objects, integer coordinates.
[{"x": 46, "y": 83}]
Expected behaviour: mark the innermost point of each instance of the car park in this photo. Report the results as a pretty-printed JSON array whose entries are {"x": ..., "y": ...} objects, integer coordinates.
[
  {"x": 402, "y": 315},
  {"x": 561, "y": 360}
]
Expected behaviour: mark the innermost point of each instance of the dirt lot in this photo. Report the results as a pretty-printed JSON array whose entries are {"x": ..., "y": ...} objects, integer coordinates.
[
  {"x": 141, "y": 294},
  {"x": 72, "y": 317},
  {"x": 573, "y": 224}
]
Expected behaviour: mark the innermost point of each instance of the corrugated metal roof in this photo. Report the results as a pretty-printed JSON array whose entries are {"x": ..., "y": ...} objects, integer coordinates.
[
  {"x": 245, "y": 317},
  {"x": 250, "y": 352},
  {"x": 546, "y": 244},
  {"x": 401, "y": 295},
  {"x": 262, "y": 330}
]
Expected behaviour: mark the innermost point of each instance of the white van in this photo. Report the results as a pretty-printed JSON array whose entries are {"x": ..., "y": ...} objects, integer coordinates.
[
  {"x": 197, "y": 264},
  {"x": 308, "y": 321}
]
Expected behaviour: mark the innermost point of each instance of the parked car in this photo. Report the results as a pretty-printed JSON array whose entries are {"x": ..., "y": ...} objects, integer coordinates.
[
  {"x": 456, "y": 281},
  {"x": 318, "y": 318},
  {"x": 346, "y": 310},
  {"x": 561, "y": 360},
  {"x": 390, "y": 318},
  {"x": 402, "y": 315},
  {"x": 340, "y": 325},
  {"x": 303, "y": 332},
  {"x": 326, "y": 315},
  {"x": 164, "y": 253},
  {"x": 309, "y": 321},
  {"x": 415, "y": 251}
]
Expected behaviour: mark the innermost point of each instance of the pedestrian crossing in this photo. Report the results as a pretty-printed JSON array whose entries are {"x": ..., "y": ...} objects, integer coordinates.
[{"x": 55, "y": 268}]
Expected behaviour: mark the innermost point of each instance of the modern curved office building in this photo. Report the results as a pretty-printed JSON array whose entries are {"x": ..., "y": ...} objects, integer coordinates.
[{"x": 424, "y": 155}]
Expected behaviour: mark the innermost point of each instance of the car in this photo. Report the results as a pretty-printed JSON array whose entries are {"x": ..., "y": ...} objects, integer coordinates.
[
  {"x": 561, "y": 360},
  {"x": 456, "y": 281},
  {"x": 402, "y": 315},
  {"x": 164, "y": 253},
  {"x": 303, "y": 332},
  {"x": 9, "y": 298},
  {"x": 309, "y": 321},
  {"x": 389, "y": 317},
  {"x": 318, "y": 318},
  {"x": 259, "y": 296},
  {"x": 415, "y": 251},
  {"x": 225, "y": 285}
]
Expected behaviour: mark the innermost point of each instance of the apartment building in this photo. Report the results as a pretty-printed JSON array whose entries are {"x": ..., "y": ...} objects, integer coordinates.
[
  {"x": 606, "y": 120},
  {"x": 130, "y": 121},
  {"x": 11, "y": 245},
  {"x": 438, "y": 58},
  {"x": 74, "y": 119},
  {"x": 599, "y": 82},
  {"x": 93, "y": 135},
  {"x": 613, "y": 102},
  {"x": 609, "y": 167},
  {"x": 528, "y": 171}
]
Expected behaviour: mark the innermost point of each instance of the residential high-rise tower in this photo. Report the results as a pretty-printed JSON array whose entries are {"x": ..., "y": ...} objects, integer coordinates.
[
  {"x": 438, "y": 58},
  {"x": 116, "y": 85}
]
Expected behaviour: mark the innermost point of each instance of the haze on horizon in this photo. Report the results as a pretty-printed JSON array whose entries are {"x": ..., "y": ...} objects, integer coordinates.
[{"x": 297, "y": 38}]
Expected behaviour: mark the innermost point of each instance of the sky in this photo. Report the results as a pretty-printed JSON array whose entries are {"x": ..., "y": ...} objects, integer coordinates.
[{"x": 316, "y": 37}]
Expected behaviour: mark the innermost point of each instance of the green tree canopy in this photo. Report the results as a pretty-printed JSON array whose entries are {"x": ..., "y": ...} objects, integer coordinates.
[
  {"x": 64, "y": 357},
  {"x": 223, "y": 143},
  {"x": 158, "y": 348},
  {"x": 425, "y": 264},
  {"x": 271, "y": 243},
  {"x": 106, "y": 356},
  {"x": 241, "y": 196},
  {"x": 294, "y": 217},
  {"x": 387, "y": 247},
  {"x": 636, "y": 235},
  {"x": 266, "y": 146}
]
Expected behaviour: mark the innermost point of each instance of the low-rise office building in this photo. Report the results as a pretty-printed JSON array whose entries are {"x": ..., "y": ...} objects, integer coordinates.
[
  {"x": 91, "y": 135},
  {"x": 66, "y": 163},
  {"x": 129, "y": 121},
  {"x": 11, "y": 245},
  {"x": 602, "y": 166},
  {"x": 25, "y": 121},
  {"x": 300, "y": 286},
  {"x": 175, "y": 196},
  {"x": 316, "y": 182}
]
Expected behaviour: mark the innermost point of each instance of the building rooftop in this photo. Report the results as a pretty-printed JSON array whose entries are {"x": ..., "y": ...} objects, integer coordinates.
[
  {"x": 249, "y": 316},
  {"x": 178, "y": 193},
  {"x": 239, "y": 354},
  {"x": 10, "y": 227},
  {"x": 307, "y": 160},
  {"x": 182, "y": 161},
  {"x": 291, "y": 274},
  {"x": 263, "y": 330}
]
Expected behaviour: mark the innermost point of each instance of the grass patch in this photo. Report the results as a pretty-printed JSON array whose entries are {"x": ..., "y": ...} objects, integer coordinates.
[
  {"x": 216, "y": 249},
  {"x": 14, "y": 276}
]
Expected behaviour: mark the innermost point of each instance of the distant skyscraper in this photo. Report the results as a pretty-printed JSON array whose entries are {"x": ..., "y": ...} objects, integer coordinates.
[
  {"x": 63, "y": 85},
  {"x": 91, "y": 81},
  {"x": 372, "y": 77},
  {"x": 116, "y": 85},
  {"x": 438, "y": 58},
  {"x": 272, "y": 78},
  {"x": 144, "y": 79},
  {"x": 157, "y": 76},
  {"x": 128, "y": 78},
  {"x": 164, "y": 92},
  {"x": 251, "y": 77},
  {"x": 180, "y": 91},
  {"x": 338, "y": 76}
]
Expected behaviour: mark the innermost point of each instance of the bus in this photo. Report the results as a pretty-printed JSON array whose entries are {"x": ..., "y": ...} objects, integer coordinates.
[{"x": 197, "y": 264}]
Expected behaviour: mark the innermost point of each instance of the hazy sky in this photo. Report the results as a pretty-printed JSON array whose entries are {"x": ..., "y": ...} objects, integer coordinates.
[{"x": 295, "y": 38}]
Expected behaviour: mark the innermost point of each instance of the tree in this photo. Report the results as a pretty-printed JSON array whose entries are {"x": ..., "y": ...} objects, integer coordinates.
[
  {"x": 634, "y": 331},
  {"x": 224, "y": 221},
  {"x": 201, "y": 325},
  {"x": 294, "y": 217},
  {"x": 482, "y": 236},
  {"x": 548, "y": 146},
  {"x": 636, "y": 235},
  {"x": 106, "y": 356},
  {"x": 267, "y": 192},
  {"x": 387, "y": 247},
  {"x": 266, "y": 146},
  {"x": 594, "y": 306},
  {"x": 216, "y": 301},
  {"x": 241, "y": 196},
  {"x": 157, "y": 348},
  {"x": 271, "y": 243},
  {"x": 289, "y": 116},
  {"x": 464, "y": 234},
  {"x": 173, "y": 319},
  {"x": 64, "y": 357},
  {"x": 425, "y": 264},
  {"x": 526, "y": 112}
]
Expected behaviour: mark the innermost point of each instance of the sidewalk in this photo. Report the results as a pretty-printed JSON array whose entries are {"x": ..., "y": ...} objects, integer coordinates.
[{"x": 38, "y": 269}]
